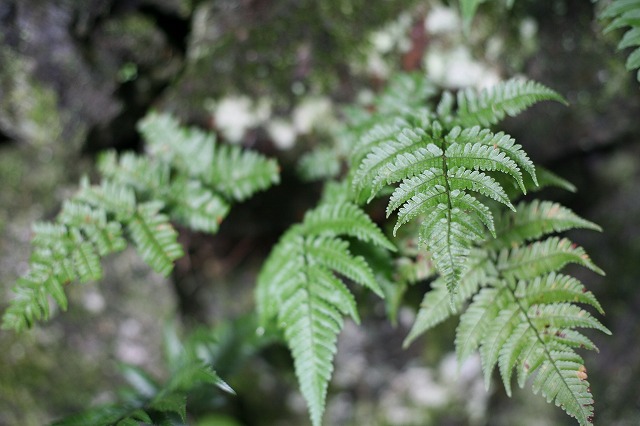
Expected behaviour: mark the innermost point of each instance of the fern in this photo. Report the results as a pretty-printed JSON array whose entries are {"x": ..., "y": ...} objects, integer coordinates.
[
  {"x": 445, "y": 175},
  {"x": 626, "y": 13},
  {"x": 458, "y": 180},
  {"x": 524, "y": 316},
  {"x": 299, "y": 287},
  {"x": 184, "y": 177}
]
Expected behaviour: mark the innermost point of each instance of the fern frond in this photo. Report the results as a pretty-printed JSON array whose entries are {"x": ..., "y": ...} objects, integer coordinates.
[
  {"x": 118, "y": 200},
  {"x": 184, "y": 176},
  {"x": 554, "y": 288},
  {"x": 411, "y": 187},
  {"x": 477, "y": 320},
  {"x": 510, "y": 98},
  {"x": 312, "y": 319},
  {"x": 535, "y": 219},
  {"x": 626, "y": 13},
  {"x": 104, "y": 234},
  {"x": 299, "y": 287},
  {"x": 63, "y": 252},
  {"x": 526, "y": 316}
]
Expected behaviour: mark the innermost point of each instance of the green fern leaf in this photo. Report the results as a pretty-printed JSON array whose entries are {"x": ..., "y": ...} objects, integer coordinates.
[
  {"x": 413, "y": 186},
  {"x": 561, "y": 315},
  {"x": 234, "y": 172},
  {"x": 114, "y": 198},
  {"x": 311, "y": 322},
  {"x": 542, "y": 257},
  {"x": 494, "y": 338},
  {"x": 299, "y": 287},
  {"x": 282, "y": 266},
  {"x": 473, "y": 180},
  {"x": 435, "y": 174},
  {"x": 86, "y": 262},
  {"x": 154, "y": 237},
  {"x": 447, "y": 241},
  {"x": 535, "y": 219},
  {"x": 506, "y": 98}
]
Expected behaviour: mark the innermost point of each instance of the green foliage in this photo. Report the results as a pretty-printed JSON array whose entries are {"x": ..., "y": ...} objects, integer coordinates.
[
  {"x": 299, "y": 287},
  {"x": 184, "y": 176},
  {"x": 622, "y": 14},
  {"x": 458, "y": 180},
  {"x": 452, "y": 179},
  {"x": 440, "y": 164},
  {"x": 149, "y": 401},
  {"x": 524, "y": 312}
]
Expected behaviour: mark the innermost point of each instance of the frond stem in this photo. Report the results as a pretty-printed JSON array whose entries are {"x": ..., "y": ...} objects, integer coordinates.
[{"x": 449, "y": 205}]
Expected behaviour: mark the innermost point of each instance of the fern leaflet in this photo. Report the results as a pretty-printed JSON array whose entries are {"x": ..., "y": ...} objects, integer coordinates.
[{"x": 507, "y": 98}]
